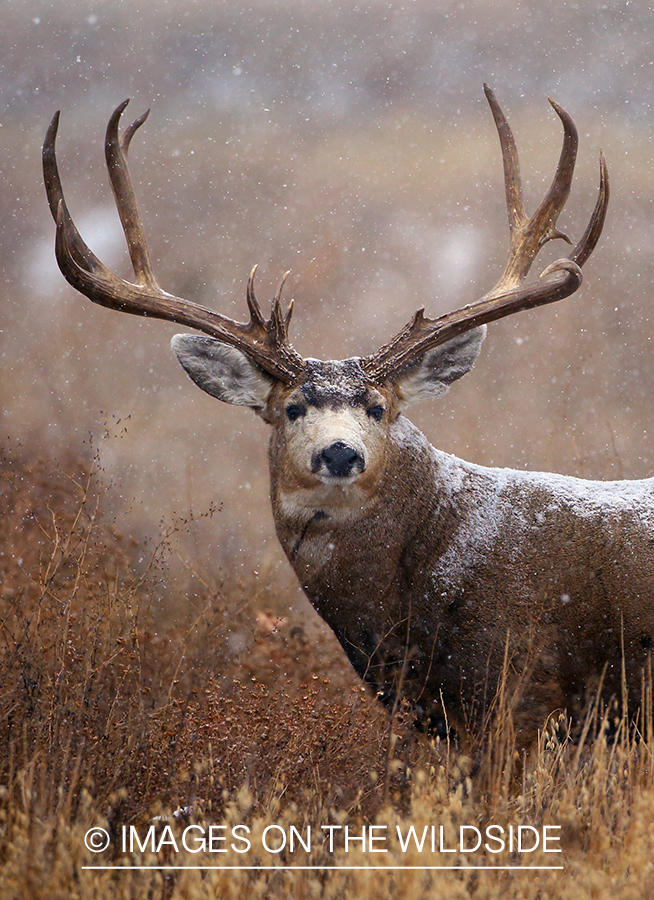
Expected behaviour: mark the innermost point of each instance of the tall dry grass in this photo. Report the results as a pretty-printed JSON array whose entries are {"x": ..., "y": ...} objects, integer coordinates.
[{"x": 124, "y": 700}]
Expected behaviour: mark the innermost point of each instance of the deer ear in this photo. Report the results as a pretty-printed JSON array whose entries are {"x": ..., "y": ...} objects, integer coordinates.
[
  {"x": 222, "y": 371},
  {"x": 438, "y": 368}
]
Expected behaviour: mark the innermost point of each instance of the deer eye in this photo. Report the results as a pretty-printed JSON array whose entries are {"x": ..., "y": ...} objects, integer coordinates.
[
  {"x": 376, "y": 413},
  {"x": 294, "y": 412}
]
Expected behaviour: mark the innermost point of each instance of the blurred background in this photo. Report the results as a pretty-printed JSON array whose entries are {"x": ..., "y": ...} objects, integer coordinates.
[{"x": 352, "y": 144}]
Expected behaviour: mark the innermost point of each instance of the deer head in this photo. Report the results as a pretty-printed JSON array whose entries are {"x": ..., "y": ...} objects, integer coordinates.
[{"x": 329, "y": 419}]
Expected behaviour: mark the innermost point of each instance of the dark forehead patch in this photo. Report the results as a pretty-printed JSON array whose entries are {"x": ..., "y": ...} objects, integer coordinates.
[{"x": 335, "y": 383}]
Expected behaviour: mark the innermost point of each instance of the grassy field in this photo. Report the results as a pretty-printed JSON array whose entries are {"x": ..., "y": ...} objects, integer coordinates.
[{"x": 121, "y": 712}]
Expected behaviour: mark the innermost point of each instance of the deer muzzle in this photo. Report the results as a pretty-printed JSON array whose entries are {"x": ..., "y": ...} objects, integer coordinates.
[{"x": 338, "y": 460}]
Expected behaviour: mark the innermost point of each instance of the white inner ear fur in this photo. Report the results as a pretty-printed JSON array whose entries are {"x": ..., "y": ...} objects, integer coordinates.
[
  {"x": 431, "y": 377},
  {"x": 222, "y": 371}
]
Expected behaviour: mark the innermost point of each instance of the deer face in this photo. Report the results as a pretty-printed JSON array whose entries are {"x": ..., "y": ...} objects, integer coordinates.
[
  {"x": 332, "y": 422},
  {"x": 330, "y": 435},
  {"x": 332, "y": 426}
]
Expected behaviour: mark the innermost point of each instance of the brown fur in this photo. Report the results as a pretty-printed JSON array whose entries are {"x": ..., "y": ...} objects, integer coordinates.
[{"x": 435, "y": 568}]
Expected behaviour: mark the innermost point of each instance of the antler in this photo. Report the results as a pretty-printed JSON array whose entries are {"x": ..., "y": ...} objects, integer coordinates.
[
  {"x": 527, "y": 236},
  {"x": 264, "y": 341}
]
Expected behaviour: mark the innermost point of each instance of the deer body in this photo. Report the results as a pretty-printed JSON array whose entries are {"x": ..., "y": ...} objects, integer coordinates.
[
  {"x": 447, "y": 566},
  {"x": 439, "y": 578}
]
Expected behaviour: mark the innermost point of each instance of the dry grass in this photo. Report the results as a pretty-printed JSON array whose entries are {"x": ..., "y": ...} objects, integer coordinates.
[{"x": 114, "y": 711}]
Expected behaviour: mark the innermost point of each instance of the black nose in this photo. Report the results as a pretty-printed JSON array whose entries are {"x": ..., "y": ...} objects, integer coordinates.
[{"x": 340, "y": 460}]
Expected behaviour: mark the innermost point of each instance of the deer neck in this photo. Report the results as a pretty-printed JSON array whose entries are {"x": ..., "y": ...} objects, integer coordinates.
[{"x": 354, "y": 541}]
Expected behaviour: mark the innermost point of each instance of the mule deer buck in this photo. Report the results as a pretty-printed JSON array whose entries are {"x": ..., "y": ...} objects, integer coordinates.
[{"x": 433, "y": 573}]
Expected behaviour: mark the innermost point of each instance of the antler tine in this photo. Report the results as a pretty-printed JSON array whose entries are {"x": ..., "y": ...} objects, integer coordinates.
[
  {"x": 280, "y": 320},
  {"x": 262, "y": 341},
  {"x": 130, "y": 131},
  {"x": 53, "y": 188},
  {"x": 512, "y": 181},
  {"x": 256, "y": 316},
  {"x": 558, "y": 194},
  {"x": 289, "y": 314},
  {"x": 593, "y": 230},
  {"x": 115, "y": 150},
  {"x": 77, "y": 248},
  {"x": 527, "y": 236}
]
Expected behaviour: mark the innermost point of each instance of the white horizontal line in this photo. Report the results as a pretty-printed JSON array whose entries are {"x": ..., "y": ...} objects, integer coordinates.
[{"x": 327, "y": 868}]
